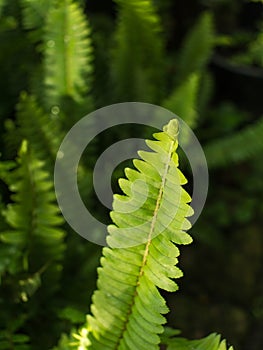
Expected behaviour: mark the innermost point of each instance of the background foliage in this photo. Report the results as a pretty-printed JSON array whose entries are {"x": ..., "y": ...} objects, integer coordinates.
[{"x": 61, "y": 59}]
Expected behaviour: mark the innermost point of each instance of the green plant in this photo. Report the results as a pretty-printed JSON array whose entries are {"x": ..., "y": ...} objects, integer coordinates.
[
  {"x": 217, "y": 150},
  {"x": 150, "y": 220},
  {"x": 67, "y": 54},
  {"x": 32, "y": 245},
  {"x": 60, "y": 62},
  {"x": 139, "y": 50}
]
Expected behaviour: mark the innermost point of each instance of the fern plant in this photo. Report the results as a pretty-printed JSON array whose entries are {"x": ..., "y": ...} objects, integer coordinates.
[
  {"x": 217, "y": 153},
  {"x": 138, "y": 51},
  {"x": 193, "y": 56},
  {"x": 33, "y": 217},
  {"x": 183, "y": 100},
  {"x": 67, "y": 53},
  {"x": 30, "y": 280},
  {"x": 44, "y": 124},
  {"x": 31, "y": 248},
  {"x": 129, "y": 277},
  {"x": 197, "y": 47},
  {"x": 54, "y": 42},
  {"x": 150, "y": 220}
]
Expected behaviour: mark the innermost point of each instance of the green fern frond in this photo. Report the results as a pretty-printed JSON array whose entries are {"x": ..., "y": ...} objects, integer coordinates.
[
  {"x": 231, "y": 149},
  {"x": 44, "y": 134},
  {"x": 197, "y": 48},
  {"x": 34, "y": 219},
  {"x": 211, "y": 342},
  {"x": 184, "y": 99},
  {"x": 151, "y": 215},
  {"x": 40, "y": 128},
  {"x": 68, "y": 53},
  {"x": 7, "y": 254},
  {"x": 138, "y": 52}
]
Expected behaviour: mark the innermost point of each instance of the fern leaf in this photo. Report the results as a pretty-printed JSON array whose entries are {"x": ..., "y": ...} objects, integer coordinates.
[
  {"x": 128, "y": 307},
  {"x": 138, "y": 52},
  {"x": 7, "y": 254},
  {"x": 231, "y": 149},
  {"x": 68, "y": 53},
  {"x": 197, "y": 48},
  {"x": 33, "y": 219},
  {"x": 183, "y": 100},
  {"x": 43, "y": 131},
  {"x": 40, "y": 128},
  {"x": 211, "y": 342}
]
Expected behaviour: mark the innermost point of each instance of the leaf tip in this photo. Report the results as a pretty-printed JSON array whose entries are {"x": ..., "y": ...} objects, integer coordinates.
[{"x": 172, "y": 128}]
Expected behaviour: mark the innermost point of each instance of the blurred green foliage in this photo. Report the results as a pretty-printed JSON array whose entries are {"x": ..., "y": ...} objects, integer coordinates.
[{"x": 62, "y": 59}]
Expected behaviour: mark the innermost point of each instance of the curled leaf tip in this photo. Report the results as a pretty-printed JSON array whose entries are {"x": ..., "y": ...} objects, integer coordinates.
[{"x": 172, "y": 128}]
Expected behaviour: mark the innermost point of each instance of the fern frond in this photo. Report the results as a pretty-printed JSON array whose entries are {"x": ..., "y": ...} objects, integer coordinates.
[
  {"x": 7, "y": 254},
  {"x": 184, "y": 99},
  {"x": 68, "y": 53},
  {"x": 231, "y": 149},
  {"x": 197, "y": 48},
  {"x": 138, "y": 52},
  {"x": 43, "y": 131},
  {"x": 33, "y": 219},
  {"x": 151, "y": 215},
  {"x": 211, "y": 342},
  {"x": 40, "y": 128}
]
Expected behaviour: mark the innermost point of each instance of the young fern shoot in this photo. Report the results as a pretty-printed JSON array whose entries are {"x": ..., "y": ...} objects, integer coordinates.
[{"x": 149, "y": 220}]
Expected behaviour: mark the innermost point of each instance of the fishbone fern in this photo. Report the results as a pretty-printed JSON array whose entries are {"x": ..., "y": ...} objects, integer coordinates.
[
  {"x": 31, "y": 248},
  {"x": 139, "y": 50},
  {"x": 33, "y": 219},
  {"x": 184, "y": 100},
  {"x": 212, "y": 342},
  {"x": 68, "y": 53},
  {"x": 193, "y": 56},
  {"x": 127, "y": 308},
  {"x": 230, "y": 149},
  {"x": 43, "y": 130},
  {"x": 197, "y": 47},
  {"x": 150, "y": 219},
  {"x": 130, "y": 277}
]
